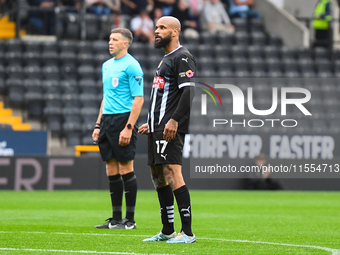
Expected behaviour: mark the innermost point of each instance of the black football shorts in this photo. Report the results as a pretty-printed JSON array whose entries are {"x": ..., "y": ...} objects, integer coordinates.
[
  {"x": 110, "y": 127},
  {"x": 162, "y": 152}
]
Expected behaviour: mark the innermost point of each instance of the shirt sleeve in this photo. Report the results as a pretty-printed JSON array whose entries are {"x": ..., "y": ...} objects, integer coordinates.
[
  {"x": 185, "y": 70},
  {"x": 136, "y": 79},
  {"x": 224, "y": 14}
]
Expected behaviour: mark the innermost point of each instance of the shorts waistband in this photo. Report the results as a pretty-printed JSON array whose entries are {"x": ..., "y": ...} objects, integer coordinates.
[{"x": 118, "y": 114}]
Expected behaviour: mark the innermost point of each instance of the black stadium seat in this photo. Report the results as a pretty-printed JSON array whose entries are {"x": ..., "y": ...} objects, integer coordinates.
[
  {"x": 85, "y": 47},
  {"x": 14, "y": 71},
  {"x": 320, "y": 52},
  {"x": 51, "y": 86},
  {"x": 32, "y": 46},
  {"x": 85, "y": 58},
  {"x": 86, "y": 71},
  {"x": 88, "y": 86},
  {"x": 275, "y": 40},
  {"x": 222, "y": 51},
  {"x": 306, "y": 65},
  {"x": 288, "y": 52},
  {"x": 240, "y": 24},
  {"x": 239, "y": 51},
  {"x": 16, "y": 92},
  {"x": 274, "y": 65},
  {"x": 92, "y": 26},
  {"x": 51, "y": 72},
  {"x": 13, "y": 45},
  {"x": 242, "y": 38},
  {"x": 256, "y": 25},
  {"x": 207, "y": 39},
  {"x": 258, "y": 38},
  {"x": 69, "y": 86},
  {"x": 71, "y": 21},
  {"x": 305, "y": 52},
  {"x": 49, "y": 46},
  {"x": 2, "y": 86},
  {"x": 33, "y": 71},
  {"x": 2, "y": 58},
  {"x": 100, "y": 47},
  {"x": 13, "y": 57},
  {"x": 68, "y": 57},
  {"x": 224, "y": 39},
  {"x": 255, "y": 51},
  {"x": 68, "y": 46},
  {"x": 271, "y": 52},
  {"x": 257, "y": 65},
  {"x": 32, "y": 58}
]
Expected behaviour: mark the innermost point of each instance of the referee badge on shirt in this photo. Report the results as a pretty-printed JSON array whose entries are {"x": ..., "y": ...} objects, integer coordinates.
[{"x": 115, "y": 82}]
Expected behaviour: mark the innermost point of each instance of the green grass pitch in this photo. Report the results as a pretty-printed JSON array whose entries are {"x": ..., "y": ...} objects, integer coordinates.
[{"x": 225, "y": 222}]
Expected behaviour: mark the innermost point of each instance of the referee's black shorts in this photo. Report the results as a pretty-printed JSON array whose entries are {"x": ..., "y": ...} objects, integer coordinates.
[
  {"x": 110, "y": 127},
  {"x": 162, "y": 152}
]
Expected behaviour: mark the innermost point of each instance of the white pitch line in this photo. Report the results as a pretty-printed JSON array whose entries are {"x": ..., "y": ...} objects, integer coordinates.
[
  {"x": 333, "y": 251},
  {"x": 65, "y": 233},
  {"x": 71, "y": 251}
]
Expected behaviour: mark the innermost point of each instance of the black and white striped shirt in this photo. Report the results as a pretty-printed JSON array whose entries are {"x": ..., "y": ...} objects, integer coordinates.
[{"x": 173, "y": 73}]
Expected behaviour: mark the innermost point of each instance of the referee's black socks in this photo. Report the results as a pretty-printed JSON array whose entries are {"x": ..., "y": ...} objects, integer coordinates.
[
  {"x": 166, "y": 201},
  {"x": 116, "y": 193},
  {"x": 184, "y": 207},
  {"x": 130, "y": 186}
]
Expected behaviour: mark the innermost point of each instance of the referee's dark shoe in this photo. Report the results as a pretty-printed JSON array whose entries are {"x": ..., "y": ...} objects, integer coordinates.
[
  {"x": 110, "y": 223},
  {"x": 124, "y": 224}
]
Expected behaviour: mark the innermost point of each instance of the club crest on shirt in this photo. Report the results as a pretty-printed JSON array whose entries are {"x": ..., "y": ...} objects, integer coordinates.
[
  {"x": 115, "y": 82},
  {"x": 189, "y": 73},
  {"x": 158, "y": 82}
]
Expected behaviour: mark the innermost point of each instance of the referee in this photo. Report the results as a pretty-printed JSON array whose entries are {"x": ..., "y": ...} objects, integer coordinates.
[
  {"x": 168, "y": 122},
  {"x": 115, "y": 130}
]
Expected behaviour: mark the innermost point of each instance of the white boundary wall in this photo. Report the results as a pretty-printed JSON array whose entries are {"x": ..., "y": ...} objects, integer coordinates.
[{"x": 280, "y": 22}]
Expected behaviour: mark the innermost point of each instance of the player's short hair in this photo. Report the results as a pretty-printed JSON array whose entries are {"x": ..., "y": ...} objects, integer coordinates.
[{"x": 126, "y": 33}]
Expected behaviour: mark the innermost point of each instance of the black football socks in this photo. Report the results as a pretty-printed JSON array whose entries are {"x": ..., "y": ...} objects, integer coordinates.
[
  {"x": 166, "y": 201},
  {"x": 116, "y": 192},
  {"x": 184, "y": 207},
  {"x": 130, "y": 186}
]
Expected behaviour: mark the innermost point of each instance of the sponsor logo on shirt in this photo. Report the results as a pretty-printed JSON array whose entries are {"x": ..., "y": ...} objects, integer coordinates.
[
  {"x": 182, "y": 74},
  {"x": 189, "y": 73},
  {"x": 115, "y": 82},
  {"x": 158, "y": 82}
]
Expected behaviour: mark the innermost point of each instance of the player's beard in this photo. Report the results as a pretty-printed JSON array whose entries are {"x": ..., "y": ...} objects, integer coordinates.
[{"x": 163, "y": 42}]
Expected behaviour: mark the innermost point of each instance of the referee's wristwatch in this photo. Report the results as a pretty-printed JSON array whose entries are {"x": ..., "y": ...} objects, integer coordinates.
[{"x": 129, "y": 126}]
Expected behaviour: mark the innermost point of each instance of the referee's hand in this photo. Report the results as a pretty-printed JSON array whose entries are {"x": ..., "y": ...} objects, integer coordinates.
[
  {"x": 125, "y": 136},
  {"x": 95, "y": 135},
  {"x": 170, "y": 130}
]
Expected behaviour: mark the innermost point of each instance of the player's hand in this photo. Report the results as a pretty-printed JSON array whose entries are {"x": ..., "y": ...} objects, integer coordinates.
[
  {"x": 170, "y": 130},
  {"x": 95, "y": 135},
  {"x": 144, "y": 129},
  {"x": 125, "y": 137}
]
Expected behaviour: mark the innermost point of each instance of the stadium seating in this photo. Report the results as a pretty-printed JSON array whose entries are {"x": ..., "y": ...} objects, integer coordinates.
[{"x": 59, "y": 82}]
